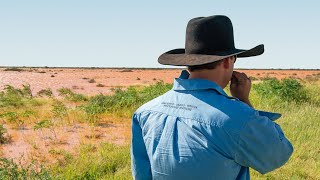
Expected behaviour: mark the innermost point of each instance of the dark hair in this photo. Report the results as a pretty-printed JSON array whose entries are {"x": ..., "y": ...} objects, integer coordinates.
[{"x": 212, "y": 65}]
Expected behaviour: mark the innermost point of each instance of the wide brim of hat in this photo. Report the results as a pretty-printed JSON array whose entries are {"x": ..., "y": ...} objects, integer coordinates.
[{"x": 178, "y": 57}]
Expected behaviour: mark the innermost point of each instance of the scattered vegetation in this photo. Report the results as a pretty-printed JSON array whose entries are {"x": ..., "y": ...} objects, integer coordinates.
[
  {"x": 43, "y": 124},
  {"x": 285, "y": 90},
  {"x": 15, "y": 97},
  {"x": 14, "y": 69},
  {"x": 11, "y": 170},
  {"x": 75, "y": 87},
  {"x": 13, "y": 118},
  {"x": 298, "y": 101},
  {"x": 314, "y": 77},
  {"x": 45, "y": 92},
  {"x": 100, "y": 85},
  {"x": 10, "y": 116},
  {"x": 49, "y": 124},
  {"x": 71, "y": 96},
  {"x": 126, "y": 70},
  {"x": 252, "y": 78},
  {"x": 92, "y": 81},
  {"x": 105, "y": 162},
  {"x": 124, "y": 102},
  {"x": 59, "y": 109},
  {"x": 4, "y": 136}
]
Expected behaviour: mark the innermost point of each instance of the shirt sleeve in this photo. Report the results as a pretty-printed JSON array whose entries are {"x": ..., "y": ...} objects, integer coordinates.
[
  {"x": 140, "y": 163},
  {"x": 262, "y": 145},
  {"x": 272, "y": 116}
]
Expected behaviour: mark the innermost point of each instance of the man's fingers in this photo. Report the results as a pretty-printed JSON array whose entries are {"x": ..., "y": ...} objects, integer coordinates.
[
  {"x": 239, "y": 77},
  {"x": 236, "y": 73}
]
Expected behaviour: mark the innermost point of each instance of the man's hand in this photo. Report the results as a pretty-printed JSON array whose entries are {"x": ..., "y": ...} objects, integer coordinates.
[{"x": 240, "y": 87}]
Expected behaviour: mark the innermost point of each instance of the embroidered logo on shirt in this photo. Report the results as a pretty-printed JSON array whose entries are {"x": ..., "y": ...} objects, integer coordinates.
[{"x": 187, "y": 107}]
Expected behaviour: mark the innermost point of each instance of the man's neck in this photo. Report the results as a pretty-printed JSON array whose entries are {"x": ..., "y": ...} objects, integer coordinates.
[{"x": 211, "y": 75}]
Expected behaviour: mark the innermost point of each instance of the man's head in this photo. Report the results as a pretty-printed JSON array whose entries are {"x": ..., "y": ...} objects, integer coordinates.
[
  {"x": 218, "y": 71},
  {"x": 212, "y": 65}
]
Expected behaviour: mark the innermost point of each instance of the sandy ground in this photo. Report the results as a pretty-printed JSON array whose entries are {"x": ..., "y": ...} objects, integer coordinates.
[
  {"x": 44, "y": 146},
  {"x": 51, "y": 145},
  {"x": 78, "y": 79}
]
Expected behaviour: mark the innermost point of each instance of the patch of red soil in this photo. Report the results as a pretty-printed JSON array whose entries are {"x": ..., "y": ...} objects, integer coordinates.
[{"x": 48, "y": 145}]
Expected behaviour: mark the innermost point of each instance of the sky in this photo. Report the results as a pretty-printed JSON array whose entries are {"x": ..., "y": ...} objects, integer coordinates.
[{"x": 102, "y": 33}]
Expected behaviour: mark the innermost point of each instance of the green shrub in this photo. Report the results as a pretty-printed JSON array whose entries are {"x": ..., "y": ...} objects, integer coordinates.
[
  {"x": 45, "y": 92},
  {"x": 46, "y": 124},
  {"x": 11, "y": 97},
  {"x": 286, "y": 90},
  {"x": 59, "y": 109},
  {"x": 16, "y": 97},
  {"x": 11, "y": 170},
  {"x": 71, "y": 96},
  {"x": 28, "y": 113},
  {"x": 26, "y": 91},
  {"x": 43, "y": 124},
  {"x": 105, "y": 162},
  {"x": 124, "y": 101},
  {"x": 10, "y": 116},
  {"x": 4, "y": 137}
]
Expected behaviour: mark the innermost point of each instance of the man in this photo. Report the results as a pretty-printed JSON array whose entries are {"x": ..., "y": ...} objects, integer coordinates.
[{"x": 197, "y": 131}]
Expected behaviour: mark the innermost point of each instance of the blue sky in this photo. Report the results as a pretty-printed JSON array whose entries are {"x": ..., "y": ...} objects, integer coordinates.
[{"x": 101, "y": 33}]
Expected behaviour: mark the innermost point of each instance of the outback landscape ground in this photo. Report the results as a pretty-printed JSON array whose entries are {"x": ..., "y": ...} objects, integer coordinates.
[
  {"x": 89, "y": 81},
  {"x": 74, "y": 123}
]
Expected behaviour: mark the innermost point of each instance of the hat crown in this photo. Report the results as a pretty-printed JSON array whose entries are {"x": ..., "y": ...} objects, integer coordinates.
[{"x": 209, "y": 35}]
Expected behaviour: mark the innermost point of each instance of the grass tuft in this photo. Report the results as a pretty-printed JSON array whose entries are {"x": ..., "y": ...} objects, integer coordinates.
[
  {"x": 11, "y": 170},
  {"x": 124, "y": 102},
  {"x": 45, "y": 92},
  {"x": 107, "y": 161},
  {"x": 71, "y": 96},
  {"x": 4, "y": 136}
]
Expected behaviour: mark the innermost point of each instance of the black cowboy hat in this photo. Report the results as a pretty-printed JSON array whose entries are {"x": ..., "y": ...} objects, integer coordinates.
[{"x": 208, "y": 39}]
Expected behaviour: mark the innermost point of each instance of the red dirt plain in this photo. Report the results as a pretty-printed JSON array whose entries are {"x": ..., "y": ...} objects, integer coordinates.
[
  {"x": 40, "y": 145},
  {"x": 78, "y": 79}
]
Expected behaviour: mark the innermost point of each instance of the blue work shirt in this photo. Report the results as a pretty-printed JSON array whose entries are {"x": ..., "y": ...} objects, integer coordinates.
[{"x": 197, "y": 131}]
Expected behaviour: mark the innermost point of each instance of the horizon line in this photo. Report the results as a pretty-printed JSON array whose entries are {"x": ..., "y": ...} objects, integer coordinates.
[{"x": 155, "y": 68}]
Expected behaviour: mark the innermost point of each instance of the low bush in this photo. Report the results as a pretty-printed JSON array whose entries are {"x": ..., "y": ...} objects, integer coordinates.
[
  {"x": 59, "y": 109},
  {"x": 92, "y": 81},
  {"x": 100, "y": 85},
  {"x": 4, "y": 137},
  {"x": 14, "y": 69},
  {"x": 286, "y": 90},
  {"x": 107, "y": 161},
  {"x": 11, "y": 170},
  {"x": 45, "y": 92},
  {"x": 71, "y": 96},
  {"x": 16, "y": 97},
  {"x": 124, "y": 102}
]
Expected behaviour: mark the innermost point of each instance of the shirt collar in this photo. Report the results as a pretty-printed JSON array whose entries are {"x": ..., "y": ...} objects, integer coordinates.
[{"x": 183, "y": 83}]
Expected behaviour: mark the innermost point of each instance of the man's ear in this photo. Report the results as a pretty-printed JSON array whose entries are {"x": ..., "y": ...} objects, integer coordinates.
[{"x": 226, "y": 62}]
